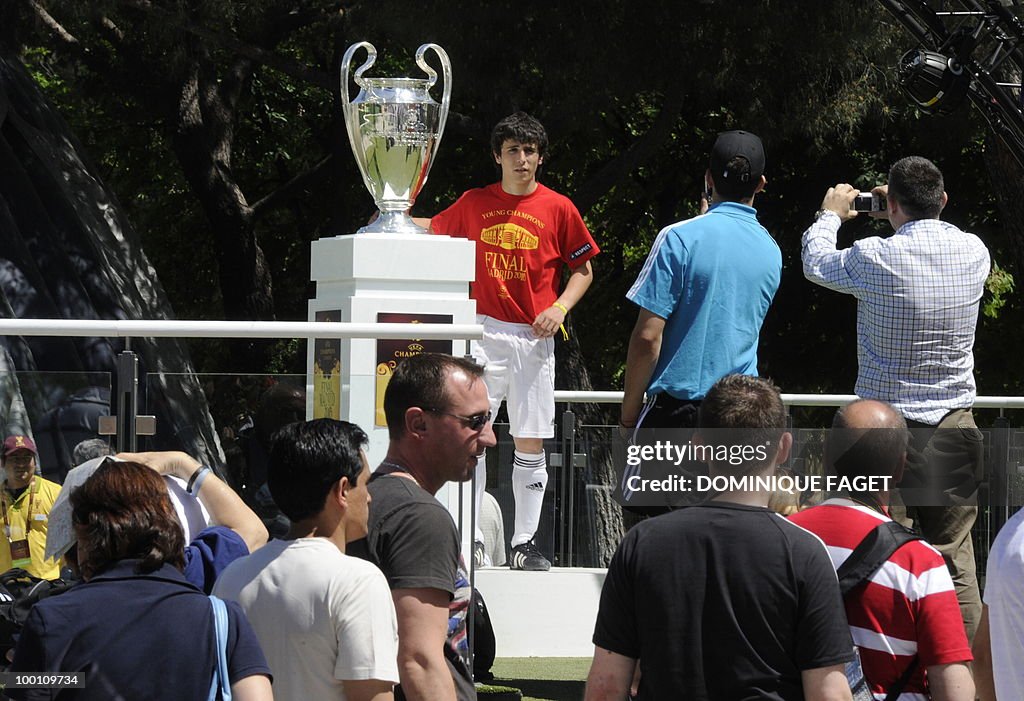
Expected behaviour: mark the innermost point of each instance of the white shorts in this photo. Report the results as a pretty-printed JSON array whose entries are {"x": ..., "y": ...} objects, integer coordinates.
[{"x": 519, "y": 368}]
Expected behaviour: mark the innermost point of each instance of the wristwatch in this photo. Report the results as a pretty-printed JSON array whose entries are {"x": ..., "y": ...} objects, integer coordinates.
[{"x": 820, "y": 213}]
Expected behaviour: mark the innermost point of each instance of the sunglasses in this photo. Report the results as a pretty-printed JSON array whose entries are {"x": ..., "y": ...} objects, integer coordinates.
[{"x": 475, "y": 422}]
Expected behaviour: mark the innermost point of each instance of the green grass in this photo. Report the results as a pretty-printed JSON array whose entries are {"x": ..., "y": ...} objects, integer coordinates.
[{"x": 543, "y": 678}]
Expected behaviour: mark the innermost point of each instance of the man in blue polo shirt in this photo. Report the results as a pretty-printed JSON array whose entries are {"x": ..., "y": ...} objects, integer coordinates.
[{"x": 703, "y": 294}]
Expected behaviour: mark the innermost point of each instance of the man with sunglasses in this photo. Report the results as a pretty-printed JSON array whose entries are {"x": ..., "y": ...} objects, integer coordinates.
[
  {"x": 27, "y": 500},
  {"x": 438, "y": 418}
]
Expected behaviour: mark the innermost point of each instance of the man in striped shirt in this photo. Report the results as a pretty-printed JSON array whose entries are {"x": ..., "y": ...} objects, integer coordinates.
[
  {"x": 918, "y": 293},
  {"x": 906, "y": 613}
]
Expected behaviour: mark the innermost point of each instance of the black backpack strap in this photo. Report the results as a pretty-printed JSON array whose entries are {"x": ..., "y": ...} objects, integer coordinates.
[
  {"x": 866, "y": 559},
  {"x": 897, "y": 688},
  {"x": 871, "y": 553}
]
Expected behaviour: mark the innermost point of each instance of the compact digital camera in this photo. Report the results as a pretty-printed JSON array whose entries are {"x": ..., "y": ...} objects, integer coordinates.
[{"x": 868, "y": 202}]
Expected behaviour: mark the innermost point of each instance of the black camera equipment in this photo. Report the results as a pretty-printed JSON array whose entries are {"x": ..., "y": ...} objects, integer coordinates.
[{"x": 969, "y": 48}]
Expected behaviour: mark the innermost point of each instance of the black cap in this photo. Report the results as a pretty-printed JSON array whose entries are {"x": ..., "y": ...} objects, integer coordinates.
[{"x": 736, "y": 143}]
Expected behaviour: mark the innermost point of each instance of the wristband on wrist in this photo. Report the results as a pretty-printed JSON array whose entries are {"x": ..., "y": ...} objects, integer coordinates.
[
  {"x": 559, "y": 305},
  {"x": 195, "y": 482}
]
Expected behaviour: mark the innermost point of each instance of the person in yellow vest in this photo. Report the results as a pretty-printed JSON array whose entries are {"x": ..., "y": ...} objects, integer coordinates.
[{"x": 26, "y": 502}]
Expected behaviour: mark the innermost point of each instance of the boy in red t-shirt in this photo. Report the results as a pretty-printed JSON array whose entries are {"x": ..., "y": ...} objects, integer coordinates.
[{"x": 524, "y": 234}]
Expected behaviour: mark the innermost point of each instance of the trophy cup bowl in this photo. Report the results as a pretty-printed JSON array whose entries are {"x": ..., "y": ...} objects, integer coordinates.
[{"x": 394, "y": 128}]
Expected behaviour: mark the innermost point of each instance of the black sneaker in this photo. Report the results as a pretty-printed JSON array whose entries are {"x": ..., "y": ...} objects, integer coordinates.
[
  {"x": 527, "y": 557},
  {"x": 480, "y": 558}
]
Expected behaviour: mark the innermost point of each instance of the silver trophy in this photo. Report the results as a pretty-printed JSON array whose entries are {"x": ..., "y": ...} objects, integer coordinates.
[{"x": 395, "y": 128}]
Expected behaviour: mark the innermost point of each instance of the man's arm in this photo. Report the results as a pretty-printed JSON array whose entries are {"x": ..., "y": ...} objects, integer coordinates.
[
  {"x": 225, "y": 506},
  {"x": 422, "y": 630},
  {"x": 610, "y": 676},
  {"x": 822, "y": 262},
  {"x": 548, "y": 321},
  {"x": 644, "y": 350},
  {"x": 368, "y": 690},
  {"x": 826, "y": 684},
  {"x": 982, "y": 651},
  {"x": 950, "y": 682},
  {"x": 252, "y": 688}
]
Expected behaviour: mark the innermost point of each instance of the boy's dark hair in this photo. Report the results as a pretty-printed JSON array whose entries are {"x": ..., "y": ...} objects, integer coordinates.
[
  {"x": 916, "y": 183},
  {"x": 421, "y": 381},
  {"x": 738, "y": 186},
  {"x": 307, "y": 459},
  {"x": 519, "y": 127},
  {"x": 741, "y": 410},
  {"x": 123, "y": 512}
]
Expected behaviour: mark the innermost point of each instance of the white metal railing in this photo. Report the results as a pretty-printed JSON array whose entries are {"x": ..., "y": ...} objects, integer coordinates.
[
  {"x": 613, "y": 397},
  {"x": 151, "y": 328}
]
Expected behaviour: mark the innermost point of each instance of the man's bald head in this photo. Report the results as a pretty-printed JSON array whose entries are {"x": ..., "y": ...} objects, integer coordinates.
[
  {"x": 868, "y": 439},
  {"x": 868, "y": 413}
]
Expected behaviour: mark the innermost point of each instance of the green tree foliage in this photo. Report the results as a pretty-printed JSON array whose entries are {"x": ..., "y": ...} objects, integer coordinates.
[{"x": 218, "y": 123}]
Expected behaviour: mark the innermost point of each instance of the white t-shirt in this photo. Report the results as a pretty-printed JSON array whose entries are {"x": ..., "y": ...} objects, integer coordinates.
[
  {"x": 321, "y": 616},
  {"x": 494, "y": 529},
  {"x": 1004, "y": 596}
]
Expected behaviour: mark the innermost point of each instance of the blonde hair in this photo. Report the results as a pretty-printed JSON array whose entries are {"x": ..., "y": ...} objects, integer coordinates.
[{"x": 784, "y": 501}]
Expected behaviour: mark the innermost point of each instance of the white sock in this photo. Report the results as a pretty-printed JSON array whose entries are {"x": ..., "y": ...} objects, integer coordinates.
[
  {"x": 529, "y": 478},
  {"x": 478, "y": 495}
]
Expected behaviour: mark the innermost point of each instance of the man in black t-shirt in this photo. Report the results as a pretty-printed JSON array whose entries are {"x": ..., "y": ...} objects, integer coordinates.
[
  {"x": 725, "y": 599},
  {"x": 439, "y": 424}
]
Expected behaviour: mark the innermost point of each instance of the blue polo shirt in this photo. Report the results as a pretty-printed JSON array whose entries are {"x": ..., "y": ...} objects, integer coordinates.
[
  {"x": 135, "y": 636},
  {"x": 712, "y": 278},
  {"x": 209, "y": 553}
]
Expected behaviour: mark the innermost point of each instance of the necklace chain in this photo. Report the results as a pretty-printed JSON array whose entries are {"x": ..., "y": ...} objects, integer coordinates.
[{"x": 401, "y": 469}]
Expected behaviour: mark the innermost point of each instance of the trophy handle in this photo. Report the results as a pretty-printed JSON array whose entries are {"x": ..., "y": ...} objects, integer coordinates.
[
  {"x": 446, "y": 69},
  {"x": 346, "y": 61}
]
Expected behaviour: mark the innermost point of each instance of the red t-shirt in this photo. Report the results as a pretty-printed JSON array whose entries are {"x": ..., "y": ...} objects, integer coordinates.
[
  {"x": 521, "y": 245},
  {"x": 908, "y": 606}
]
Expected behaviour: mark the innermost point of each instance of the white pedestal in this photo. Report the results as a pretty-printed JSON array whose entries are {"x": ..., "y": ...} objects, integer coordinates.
[
  {"x": 362, "y": 275},
  {"x": 542, "y": 614}
]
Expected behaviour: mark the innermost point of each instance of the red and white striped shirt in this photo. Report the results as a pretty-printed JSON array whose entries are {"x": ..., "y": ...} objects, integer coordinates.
[{"x": 907, "y": 608}]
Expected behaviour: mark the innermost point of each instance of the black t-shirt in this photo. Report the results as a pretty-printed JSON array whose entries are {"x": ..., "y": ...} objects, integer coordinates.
[
  {"x": 722, "y": 601},
  {"x": 411, "y": 537}
]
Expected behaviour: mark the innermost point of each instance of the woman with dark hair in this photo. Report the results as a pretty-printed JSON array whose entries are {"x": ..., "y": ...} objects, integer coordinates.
[{"x": 136, "y": 628}]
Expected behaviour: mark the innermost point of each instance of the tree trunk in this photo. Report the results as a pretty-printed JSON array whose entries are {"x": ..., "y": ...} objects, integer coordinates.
[
  {"x": 636, "y": 156},
  {"x": 202, "y": 141},
  {"x": 595, "y": 542}
]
